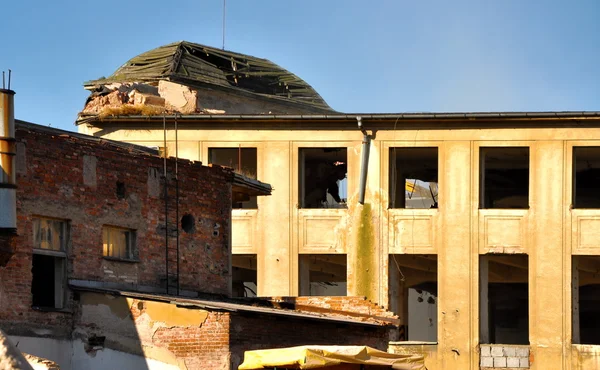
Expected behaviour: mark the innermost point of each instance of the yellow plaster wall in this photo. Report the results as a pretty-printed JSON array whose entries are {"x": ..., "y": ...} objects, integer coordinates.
[{"x": 460, "y": 231}]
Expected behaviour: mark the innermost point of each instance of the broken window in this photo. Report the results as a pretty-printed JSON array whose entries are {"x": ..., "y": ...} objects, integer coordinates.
[
  {"x": 118, "y": 242},
  {"x": 586, "y": 177},
  {"x": 414, "y": 177},
  {"x": 49, "y": 259},
  {"x": 413, "y": 295},
  {"x": 504, "y": 299},
  {"x": 322, "y": 176},
  {"x": 322, "y": 274},
  {"x": 244, "y": 275},
  {"x": 504, "y": 181},
  {"x": 243, "y": 161},
  {"x": 585, "y": 297}
]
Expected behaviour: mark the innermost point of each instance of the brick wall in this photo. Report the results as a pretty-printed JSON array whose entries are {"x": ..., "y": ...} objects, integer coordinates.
[
  {"x": 65, "y": 176},
  {"x": 206, "y": 338},
  {"x": 339, "y": 306},
  {"x": 504, "y": 356}
]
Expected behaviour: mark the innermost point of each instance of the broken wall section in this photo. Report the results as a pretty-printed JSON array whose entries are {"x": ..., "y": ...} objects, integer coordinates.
[{"x": 137, "y": 98}]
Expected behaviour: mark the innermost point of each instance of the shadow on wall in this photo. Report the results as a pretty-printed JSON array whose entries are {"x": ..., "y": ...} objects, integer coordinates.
[{"x": 104, "y": 337}]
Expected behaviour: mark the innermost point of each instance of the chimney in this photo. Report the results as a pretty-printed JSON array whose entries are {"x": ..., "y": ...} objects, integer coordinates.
[{"x": 8, "y": 179}]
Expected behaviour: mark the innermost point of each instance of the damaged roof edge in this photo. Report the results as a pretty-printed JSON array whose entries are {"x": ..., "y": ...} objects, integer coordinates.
[
  {"x": 251, "y": 186},
  {"x": 230, "y": 307},
  {"x": 371, "y": 116}
]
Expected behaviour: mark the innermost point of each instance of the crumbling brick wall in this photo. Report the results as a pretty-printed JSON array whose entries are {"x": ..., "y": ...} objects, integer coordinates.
[{"x": 65, "y": 176}]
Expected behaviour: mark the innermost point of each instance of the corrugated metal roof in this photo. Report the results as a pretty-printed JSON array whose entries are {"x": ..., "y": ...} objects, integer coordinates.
[{"x": 198, "y": 65}]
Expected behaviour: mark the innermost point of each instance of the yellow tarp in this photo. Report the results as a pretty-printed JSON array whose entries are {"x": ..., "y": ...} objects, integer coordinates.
[{"x": 316, "y": 357}]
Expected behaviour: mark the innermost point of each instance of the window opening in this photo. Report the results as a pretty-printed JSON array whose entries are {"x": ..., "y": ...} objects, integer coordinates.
[
  {"x": 322, "y": 176},
  {"x": 244, "y": 275},
  {"x": 414, "y": 177},
  {"x": 48, "y": 269},
  {"x": 504, "y": 181},
  {"x": 504, "y": 299},
  {"x": 322, "y": 274},
  {"x": 585, "y": 296},
  {"x": 244, "y": 162},
  {"x": 586, "y": 177},
  {"x": 413, "y": 292},
  {"x": 118, "y": 242}
]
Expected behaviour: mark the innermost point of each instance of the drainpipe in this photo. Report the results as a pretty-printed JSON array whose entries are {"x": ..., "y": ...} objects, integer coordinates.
[
  {"x": 8, "y": 178},
  {"x": 364, "y": 166}
]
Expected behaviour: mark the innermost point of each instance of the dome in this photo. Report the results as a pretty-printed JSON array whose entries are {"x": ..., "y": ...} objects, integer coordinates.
[{"x": 199, "y": 66}]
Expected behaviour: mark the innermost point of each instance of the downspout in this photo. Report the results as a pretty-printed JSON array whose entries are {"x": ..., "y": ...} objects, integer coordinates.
[{"x": 364, "y": 166}]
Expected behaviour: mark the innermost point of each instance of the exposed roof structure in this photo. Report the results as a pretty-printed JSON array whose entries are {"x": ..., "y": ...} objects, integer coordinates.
[{"x": 199, "y": 66}]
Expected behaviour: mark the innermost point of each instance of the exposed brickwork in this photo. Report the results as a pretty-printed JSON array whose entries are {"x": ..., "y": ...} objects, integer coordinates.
[
  {"x": 355, "y": 307},
  {"x": 221, "y": 339},
  {"x": 72, "y": 178}
]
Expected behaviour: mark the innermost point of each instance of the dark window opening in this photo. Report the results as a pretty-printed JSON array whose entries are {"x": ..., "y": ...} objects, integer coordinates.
[
  {"x": 188, "y": 223},
  {"x": 120, "y": 190},
  {"x": 586, "y": 299},
  {"x": 322, "y": 274},
  {"x": 243, "y": 161},
  {"x": 504, "y": 299},
  {"x": 413, "y": 295},
  {"x": 322, "y": 176},
  {"x": 414, "y": 177},
  {"x": 504, "y": 181},
  {"x": 244, "y": 275},
  {"x": 48, "y": 281},
  {"x": 586, "y": 177}
]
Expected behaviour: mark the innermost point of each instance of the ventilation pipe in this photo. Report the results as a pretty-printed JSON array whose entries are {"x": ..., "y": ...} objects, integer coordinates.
[
  {"x": 8, "y": 180},
  {"x": 364, "y": 165}
]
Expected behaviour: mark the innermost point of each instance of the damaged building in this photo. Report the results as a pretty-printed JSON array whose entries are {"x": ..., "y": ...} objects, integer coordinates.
[
  {"x": 479, "y": 230},
  {"x": 117, "y": 256}
]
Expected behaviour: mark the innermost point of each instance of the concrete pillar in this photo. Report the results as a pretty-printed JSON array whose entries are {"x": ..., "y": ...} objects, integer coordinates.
[
  {"x": 547, "y": 276},
  {"x": 454, "y": 257},
  {"x": 275, "y": 256}
]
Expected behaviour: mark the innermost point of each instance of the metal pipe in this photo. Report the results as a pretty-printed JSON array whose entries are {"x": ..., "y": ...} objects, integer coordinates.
[
  {"x": 166, "y": 201},
  {"x": 177, "y": 198},
  {"x": 8, "y": 152},
  {"x": 364, "y": 165}
]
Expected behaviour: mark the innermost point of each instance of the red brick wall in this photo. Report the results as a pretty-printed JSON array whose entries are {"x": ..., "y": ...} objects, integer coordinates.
[{"x": 53, "y": 182}]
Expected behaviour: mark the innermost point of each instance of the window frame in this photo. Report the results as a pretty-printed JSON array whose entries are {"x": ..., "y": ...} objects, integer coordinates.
[
  {"x": 60, "y": 261},
  {"x": 131, "y": 242}
]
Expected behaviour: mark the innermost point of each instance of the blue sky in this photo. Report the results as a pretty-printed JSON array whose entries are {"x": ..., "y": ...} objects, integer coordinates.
[{"x": 361, "y": 56}]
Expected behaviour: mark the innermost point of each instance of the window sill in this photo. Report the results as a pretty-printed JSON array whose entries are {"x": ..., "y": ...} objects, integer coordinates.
[
  {"x": 51, "y": 309},
  {"x": 120, "y": 259}
]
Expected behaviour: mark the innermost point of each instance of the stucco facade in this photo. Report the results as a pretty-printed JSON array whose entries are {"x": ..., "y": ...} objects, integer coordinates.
[{"x": 545, "y": 233}]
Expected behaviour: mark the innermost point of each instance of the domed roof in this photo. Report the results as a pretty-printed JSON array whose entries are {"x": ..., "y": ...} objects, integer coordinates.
[{"x": 200, "y": 66}]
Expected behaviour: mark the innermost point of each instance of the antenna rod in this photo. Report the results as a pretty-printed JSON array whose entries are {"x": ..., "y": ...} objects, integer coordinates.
[
  {"x": 9, "y": 73},
  {"x": 224, "y": 3},
  {"x": 3, "y": 84}
]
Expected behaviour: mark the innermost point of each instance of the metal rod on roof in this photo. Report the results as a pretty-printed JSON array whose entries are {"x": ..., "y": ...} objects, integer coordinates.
[
  {"x": 224, "y": 4},
  {"x": 3, "y": 84},
  {"x": 9, "y": 73}
]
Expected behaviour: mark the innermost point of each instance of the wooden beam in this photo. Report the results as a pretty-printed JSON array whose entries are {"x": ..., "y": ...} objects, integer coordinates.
[{"x": 515, "y": 260}]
